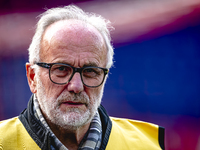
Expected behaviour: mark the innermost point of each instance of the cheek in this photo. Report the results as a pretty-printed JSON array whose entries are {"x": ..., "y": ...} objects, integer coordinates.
[
  {"x": 54, "y": 90},
  {"x": 93, "y": 93},
  {"x": 48, "y": 87}
]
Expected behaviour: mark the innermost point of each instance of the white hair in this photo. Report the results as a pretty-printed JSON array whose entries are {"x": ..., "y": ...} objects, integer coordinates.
[{"x": 65, "y": 13}]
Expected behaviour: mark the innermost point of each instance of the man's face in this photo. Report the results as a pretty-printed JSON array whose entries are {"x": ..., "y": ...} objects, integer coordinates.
[{"x": 77, "y": 44}]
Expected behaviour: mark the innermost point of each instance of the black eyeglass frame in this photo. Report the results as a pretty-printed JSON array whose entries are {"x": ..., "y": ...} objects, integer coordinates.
[{"x": 49, "y": 65}]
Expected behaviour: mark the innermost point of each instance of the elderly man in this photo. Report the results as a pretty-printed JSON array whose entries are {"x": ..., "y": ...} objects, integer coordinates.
[{"x": 69, "y": 59}]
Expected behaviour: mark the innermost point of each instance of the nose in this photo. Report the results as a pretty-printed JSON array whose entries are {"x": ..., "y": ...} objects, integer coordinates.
[{"x": 76, "y": 84}]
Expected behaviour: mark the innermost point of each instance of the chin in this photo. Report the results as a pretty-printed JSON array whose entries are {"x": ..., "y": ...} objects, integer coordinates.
[{"x": 71, "y": 120}]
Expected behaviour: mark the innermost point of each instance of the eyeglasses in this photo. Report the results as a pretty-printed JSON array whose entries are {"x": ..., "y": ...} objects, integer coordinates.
[{"x": 62, "y": 73}]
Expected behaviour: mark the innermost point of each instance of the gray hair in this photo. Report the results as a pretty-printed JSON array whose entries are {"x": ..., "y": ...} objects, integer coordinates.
[{"x": 65, "y": 13}]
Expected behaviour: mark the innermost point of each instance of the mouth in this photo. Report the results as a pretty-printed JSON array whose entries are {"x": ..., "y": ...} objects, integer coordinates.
[{"x": 71, "y": 103}]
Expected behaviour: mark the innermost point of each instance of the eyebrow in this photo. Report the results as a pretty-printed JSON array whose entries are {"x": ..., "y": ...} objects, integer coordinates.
[{"x": 92, "y": 64}]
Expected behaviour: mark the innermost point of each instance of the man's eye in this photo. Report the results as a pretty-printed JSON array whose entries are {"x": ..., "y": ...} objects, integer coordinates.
[
  {"x": 62, "y": 68},
  {"x": 91, "y": 72}
]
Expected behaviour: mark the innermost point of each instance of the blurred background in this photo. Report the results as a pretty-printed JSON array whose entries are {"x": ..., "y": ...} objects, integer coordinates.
[{"x": 156, "y": 73}]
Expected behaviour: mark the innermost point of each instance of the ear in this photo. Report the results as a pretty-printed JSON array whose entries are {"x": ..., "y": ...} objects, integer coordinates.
[{"x": 30, "y": 73}]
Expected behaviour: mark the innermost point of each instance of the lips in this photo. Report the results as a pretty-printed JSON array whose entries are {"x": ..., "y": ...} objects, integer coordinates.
[{"x": 73, "y": 103}]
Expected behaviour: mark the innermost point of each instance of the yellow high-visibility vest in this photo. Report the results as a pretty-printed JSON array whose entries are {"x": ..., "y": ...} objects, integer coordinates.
[
  {"x": 125, "y": 135},
  {"x": 129, "y": 134}
]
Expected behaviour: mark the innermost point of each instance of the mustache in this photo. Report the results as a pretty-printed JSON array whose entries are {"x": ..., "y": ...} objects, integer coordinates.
[{"x": 73, "y": 97}]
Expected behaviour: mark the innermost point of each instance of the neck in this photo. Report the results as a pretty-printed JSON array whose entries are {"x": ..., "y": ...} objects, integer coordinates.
[{"x": 70, "y": 138}]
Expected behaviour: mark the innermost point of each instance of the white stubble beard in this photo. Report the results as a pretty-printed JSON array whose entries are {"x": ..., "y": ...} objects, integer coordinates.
[{"x": 72, "y": 118}]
